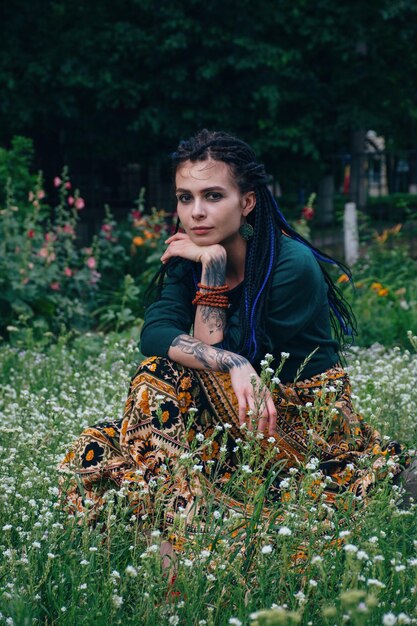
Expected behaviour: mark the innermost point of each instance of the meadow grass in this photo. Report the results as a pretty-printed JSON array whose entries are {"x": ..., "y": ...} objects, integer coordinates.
[{"x": 54, "y": 570}]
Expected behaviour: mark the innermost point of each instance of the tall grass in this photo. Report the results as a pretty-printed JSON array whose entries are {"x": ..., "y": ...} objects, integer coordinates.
[{"x": 358, "y": 569}]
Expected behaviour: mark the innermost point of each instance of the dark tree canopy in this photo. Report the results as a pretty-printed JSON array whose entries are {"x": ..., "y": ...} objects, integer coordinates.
[{"x": 132, "y": 77}]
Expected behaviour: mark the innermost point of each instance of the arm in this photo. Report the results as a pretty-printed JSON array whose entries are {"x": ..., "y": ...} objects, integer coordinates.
[
  {"x": 191, "y": 352},
  {"x": 210, "y": 322}
]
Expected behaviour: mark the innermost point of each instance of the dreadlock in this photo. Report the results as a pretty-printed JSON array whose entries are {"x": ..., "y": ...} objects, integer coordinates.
[{"x": 268, "y": 223}]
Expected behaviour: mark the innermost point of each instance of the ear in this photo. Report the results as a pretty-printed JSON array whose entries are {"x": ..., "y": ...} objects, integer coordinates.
[{"x": 248, "y": 202}]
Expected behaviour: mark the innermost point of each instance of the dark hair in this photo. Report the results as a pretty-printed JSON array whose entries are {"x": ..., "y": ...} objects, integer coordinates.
[{"x": 263, "y": 249}]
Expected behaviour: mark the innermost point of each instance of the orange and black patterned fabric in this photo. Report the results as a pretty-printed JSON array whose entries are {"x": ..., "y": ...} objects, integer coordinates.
[{"x": 169, "y": 407}]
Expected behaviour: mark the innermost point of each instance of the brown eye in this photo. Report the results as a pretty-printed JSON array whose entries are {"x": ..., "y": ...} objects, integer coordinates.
[
  {"x": 214, "y": 195},
  {"x": 184, "y": 198}
]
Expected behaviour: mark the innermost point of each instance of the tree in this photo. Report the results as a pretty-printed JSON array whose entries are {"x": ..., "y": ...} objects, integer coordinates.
[{"x": 297, "y": 80}]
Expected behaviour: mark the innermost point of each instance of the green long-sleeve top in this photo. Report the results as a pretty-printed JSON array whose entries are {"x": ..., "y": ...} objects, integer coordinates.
[{"x": 298, "y": 320}]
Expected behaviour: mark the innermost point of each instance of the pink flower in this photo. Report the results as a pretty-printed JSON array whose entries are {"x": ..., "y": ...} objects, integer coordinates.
[
  {"x": 43, "y": 252},
  {"x": 55, "y": 286},
  {"x": 106, "y": 228},
  {"x": 91, "y": 262},
  {"x": 95, "y": 277},
  {"x": 31, "y": 233},
  {"x": 136, "y": 215},
  {"x": 71, "y": 200},
  {"x": 31, "y": 196},
  {"x": 68, "y": 272},
  {"x": 79, "y": 204},
  {"x": 40, "y": 194},
  {"x": 68, "y": 185},
  {"x": 68, "y": 229},
  {"x": 50, "y": 237},
  {"x": 307, "y": 213},
  {"x": 57, "y": 181}
]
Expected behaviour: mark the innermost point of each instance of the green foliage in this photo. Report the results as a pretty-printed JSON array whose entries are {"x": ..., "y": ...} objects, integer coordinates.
[
  {"x": 384, "y": 296},
  {"x": 15, "y": 165},
  {"x": 47, "y": 281},
  {"x": 293, "y": 78}
]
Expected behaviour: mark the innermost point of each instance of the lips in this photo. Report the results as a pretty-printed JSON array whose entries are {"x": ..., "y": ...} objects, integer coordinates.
[{"x": 201, "y": 229}]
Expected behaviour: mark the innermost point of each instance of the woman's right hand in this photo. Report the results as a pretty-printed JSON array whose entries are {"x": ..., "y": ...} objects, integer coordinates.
[{"x": 246, "y": 385}]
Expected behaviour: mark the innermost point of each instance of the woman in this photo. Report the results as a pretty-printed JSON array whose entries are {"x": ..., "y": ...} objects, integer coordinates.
[{"x": 245, "y": 284}]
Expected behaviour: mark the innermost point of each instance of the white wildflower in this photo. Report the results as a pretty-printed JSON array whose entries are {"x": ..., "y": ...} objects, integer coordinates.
[
  {"x": 131, "y": 571},
  {"x": 267, "y": 549},
  {"x": 285, "y": 531},
  {"x": 349, "y": 547},
  {"x": 389, "y": 619},
  {"x": 117, "y": 601}
]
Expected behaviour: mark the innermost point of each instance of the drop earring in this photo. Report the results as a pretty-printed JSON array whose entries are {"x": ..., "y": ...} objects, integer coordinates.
[{"x": 246, "y": 231}]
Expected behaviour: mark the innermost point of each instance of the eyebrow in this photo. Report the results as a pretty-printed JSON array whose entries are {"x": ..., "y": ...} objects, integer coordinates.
[{"x": 217, "y": 188}]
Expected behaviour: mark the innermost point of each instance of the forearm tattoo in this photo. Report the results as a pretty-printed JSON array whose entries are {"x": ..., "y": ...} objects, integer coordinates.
[
  {"x": 209, "y": 357},
  {"x": 214, "y": 275}
]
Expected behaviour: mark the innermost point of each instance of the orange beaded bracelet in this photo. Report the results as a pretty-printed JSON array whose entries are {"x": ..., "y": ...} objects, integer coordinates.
[
  {"x": 212, "y": 296},
  {"x": 214, "y": 288}
]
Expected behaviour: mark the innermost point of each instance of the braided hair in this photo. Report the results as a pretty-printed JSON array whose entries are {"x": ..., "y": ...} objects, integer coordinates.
[{"x": 263, "y": 249}]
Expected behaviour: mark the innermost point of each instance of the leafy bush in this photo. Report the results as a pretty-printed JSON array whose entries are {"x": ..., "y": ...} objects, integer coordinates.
[
  {"x": 384, "y": 296},
  {"x": 47, "y": 281}
]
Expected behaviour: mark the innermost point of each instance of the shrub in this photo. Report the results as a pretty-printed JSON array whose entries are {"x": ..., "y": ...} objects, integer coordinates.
[
  {"x": 47, "y": 281},
  {"x": 384, "y": 296}
]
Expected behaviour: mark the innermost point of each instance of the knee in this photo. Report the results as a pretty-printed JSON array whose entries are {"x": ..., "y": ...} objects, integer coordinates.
[{"x": 157, "y": 365}]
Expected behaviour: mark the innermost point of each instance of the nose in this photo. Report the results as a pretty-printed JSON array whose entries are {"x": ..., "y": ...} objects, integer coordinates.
[{"x": 198, "y": 211}]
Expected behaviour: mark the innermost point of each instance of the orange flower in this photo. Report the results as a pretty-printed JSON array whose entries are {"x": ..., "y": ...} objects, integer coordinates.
[
  {"x": 185, "y": 383},
  {"x": 383, "y": 292},
  {"x": 148, "y": 234},
  {"x": 344, "y": 278},
  {"x": 144, "y": 402},
  {"x": 184, "y": 401},
  {"x": 165, "y": 416},
  {"x": 376, "y": 286},
  {"x": 211, "y": 451},
  {"x": 69, "y": 456},
  {"x": 138, "y": 241}
]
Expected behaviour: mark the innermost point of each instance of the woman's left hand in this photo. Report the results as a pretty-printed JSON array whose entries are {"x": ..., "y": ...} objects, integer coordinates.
[{"x": 181, "y": 245}]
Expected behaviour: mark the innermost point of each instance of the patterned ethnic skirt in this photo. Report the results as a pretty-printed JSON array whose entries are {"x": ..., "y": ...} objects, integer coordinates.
[{"x": 179, "y": 444}]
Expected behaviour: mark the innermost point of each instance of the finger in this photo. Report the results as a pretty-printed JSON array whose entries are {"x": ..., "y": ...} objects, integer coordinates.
[
  {"x": 176, "y": 237},
  {"x": 242, "y": 411},
  {"x": 263, "y": 423},
  {"x": 272, "y": 411},
  {"x": 252, "y": 413}
]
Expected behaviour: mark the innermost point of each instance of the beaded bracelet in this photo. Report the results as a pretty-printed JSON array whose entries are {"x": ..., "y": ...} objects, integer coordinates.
[
  {"x": 211, "y": 299},
  {"x": 214, "y": 288},
  {"x": 213, "y": 295}
]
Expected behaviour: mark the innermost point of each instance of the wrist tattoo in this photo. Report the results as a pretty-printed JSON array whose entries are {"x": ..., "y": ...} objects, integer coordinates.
[
  {"x": 214, "y": 273},
  {"x": 209, "y": 357}
]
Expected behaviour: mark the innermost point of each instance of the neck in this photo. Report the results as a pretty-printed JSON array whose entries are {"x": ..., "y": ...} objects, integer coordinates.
[{"x": 236, "y": 256}]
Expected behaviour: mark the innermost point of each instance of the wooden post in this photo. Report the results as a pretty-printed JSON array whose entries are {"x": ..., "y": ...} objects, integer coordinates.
[{"x": 351, "y": 235}]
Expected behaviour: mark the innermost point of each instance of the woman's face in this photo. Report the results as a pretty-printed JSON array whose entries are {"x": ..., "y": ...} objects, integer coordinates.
[{"x": 209, "y": 203}]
